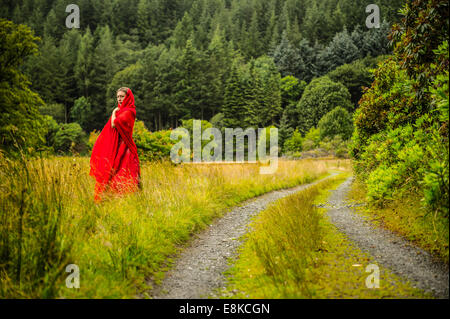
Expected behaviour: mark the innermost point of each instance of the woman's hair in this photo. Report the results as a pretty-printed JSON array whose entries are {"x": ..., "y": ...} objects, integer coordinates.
[{"x": 123, "y": 89}]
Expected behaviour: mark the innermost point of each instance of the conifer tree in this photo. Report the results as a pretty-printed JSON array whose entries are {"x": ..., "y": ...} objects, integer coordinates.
[
  {"x": 182, "y": 32},
  {"x": 21, "y": 125},
  {"x": 234, "y": 103},
  {"x": 341, "y": 50}
]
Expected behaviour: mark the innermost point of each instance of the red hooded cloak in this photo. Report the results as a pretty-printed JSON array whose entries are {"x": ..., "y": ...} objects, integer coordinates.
[{"x": 114, "y": 159}]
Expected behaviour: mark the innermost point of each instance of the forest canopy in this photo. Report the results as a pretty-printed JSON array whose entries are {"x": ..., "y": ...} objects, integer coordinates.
[{"x": 181, "y": 57}]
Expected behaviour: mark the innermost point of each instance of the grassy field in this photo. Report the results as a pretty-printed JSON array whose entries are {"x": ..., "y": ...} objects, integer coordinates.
[
  {"x": 295, "y": 252},
  {"x": 49, "y": 220}
]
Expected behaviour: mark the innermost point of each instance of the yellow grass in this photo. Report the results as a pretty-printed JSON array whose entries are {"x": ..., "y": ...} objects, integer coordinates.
[{"x": 123, "y": 245}]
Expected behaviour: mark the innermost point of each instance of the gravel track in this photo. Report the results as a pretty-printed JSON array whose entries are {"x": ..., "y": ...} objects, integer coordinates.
[
  {"x": 198, "y": 270},
  {"x": 387, "y": 248}
]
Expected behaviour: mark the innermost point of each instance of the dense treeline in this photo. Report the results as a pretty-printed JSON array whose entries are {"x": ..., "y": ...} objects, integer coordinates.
[{"x": 216, "y": 60}]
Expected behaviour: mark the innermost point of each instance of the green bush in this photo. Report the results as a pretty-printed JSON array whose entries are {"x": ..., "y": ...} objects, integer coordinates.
[
  {"x": 335, "y": 146},
  {"x": 400, "y": 143},
  {"x": 294, "y": 143},
  {"x": 312, "y": 139},
  {"x": 152, "y": 146},
  {"x": 320, "y": 97},
  {"x": 336, "y": 122},
  {"x": 70, "y": 138}
]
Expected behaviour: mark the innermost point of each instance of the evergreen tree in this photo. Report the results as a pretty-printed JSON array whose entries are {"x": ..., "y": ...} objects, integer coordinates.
[
  {"x": 234, "y": 103},
  {"x": 182, "y": 32},
  {"x": 102, "y": 71},
  {"x": 253, "y": 40},
  {"x": 287, "y": 57},
  {"x": 219, "y": 69},
  {"x": 44, "y": 70},
  {"x": 144, "y": 77},
  {"x": 51, "y": 27},
  {"x": 357, "y": 37},
  {"x": 192, "y": 90},
  {"x": 376, "y": 41},
  {"x": 341, "y": 50},
  {"x": 21, "y": 125},
  {"x": 85, "y": 63},
  {"x": 145, "y": 21},
  {"x": 68, "y": 53},
  {"x": 270, "y": 109},
  {"x": 167, "y": 70}
]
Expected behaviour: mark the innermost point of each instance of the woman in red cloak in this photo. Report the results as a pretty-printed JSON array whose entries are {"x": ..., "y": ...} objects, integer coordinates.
[{"x": 114, "y": 159}]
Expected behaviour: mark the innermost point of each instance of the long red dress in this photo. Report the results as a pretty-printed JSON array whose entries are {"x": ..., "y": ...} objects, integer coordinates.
[{"x": 114, "y": 159}]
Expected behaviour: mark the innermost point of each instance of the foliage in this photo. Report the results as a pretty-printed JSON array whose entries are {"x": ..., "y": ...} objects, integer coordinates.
[
  {"x": 70, "y": 138},
  {"x": 20, "y": 122},
  {"x": 294, "y": 143},
  {"x": 151, "y": 146},
  {"x": 321, "y": 96},
  {"x": 335, "y": 146},
  {"x": 177, "y": 56},
  {"x": 336, "y": 122},
  {"x": 356, "y": 75},
  {"x": 56, "y": 111},
  {"x": 52, "y": 128},
  {"x": 312, "y": 139},
  {"x": 291, "y": 90},
  {"x": 400, "y": 142},
  {"x": 424, "y": 26},
  {"x": 341, "y": 50},
  {"x": 82, "y": 112}
]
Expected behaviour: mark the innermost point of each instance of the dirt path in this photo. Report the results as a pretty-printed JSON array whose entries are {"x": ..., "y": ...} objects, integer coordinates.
[
  {"x": 198, "y": 270},
  {"x": 388, "y": 249}
]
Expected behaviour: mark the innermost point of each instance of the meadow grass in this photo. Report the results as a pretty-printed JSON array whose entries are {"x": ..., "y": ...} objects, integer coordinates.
[
  {"x": 123, "y": 245},
  {"x": 408, "y": 218},
  {"x": 293, "y": 251}
]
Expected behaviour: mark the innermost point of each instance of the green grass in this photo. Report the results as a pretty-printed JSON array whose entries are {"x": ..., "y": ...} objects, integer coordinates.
[
  {"x": 295, "y": 252},
  {"x": 408, "y": 218},
  {"x": 123, "y": 246}
]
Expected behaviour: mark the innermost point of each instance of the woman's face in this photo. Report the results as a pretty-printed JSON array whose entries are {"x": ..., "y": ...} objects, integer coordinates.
[{"x": 120, "y": 97}]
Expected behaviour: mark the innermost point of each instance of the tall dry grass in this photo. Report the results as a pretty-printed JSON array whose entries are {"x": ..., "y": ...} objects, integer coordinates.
[{"x": 123, "y": 245}]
